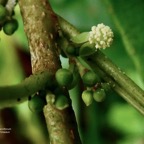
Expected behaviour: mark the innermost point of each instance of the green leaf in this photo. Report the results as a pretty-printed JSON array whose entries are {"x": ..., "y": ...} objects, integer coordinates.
[
  {"x": 128, "y": 17},
  {"x": 80, "y": 38}
]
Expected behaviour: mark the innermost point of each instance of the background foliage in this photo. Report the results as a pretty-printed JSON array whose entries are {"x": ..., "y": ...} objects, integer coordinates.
[{"x": 110, "y": 122}]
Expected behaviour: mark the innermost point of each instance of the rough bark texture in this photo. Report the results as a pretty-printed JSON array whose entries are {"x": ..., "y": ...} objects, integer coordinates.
[
  {"x": 61, "y": 125},
  {"x": 41, "y": 27}
]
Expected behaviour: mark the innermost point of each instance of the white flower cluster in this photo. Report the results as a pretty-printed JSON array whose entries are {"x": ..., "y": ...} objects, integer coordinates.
[{"x": 101, "y": 36}]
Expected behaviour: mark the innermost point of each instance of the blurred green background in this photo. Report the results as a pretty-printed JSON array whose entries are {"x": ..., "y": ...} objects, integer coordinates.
[{"x": 112, "y": 121}]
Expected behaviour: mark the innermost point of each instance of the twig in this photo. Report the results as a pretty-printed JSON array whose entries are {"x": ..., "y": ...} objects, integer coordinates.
[{"x": 12, "y": 95}]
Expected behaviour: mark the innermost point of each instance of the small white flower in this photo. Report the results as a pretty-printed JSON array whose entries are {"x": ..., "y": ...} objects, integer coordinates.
[{"x": 101, "y": 36}]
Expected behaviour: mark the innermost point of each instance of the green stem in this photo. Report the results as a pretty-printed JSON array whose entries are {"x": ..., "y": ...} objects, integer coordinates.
[
  {"x": 129, "y": 98},
  {"x": 119, "y": 76},
  {"x": 12, "y": 95},
  {"x": 124, "y": 85}
]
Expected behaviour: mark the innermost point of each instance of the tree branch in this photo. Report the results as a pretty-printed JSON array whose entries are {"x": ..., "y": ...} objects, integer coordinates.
[
  {"x": 12, "y": 95},
  {"x": 61, "y": 125},
  {"x": 41, "y": 27}
]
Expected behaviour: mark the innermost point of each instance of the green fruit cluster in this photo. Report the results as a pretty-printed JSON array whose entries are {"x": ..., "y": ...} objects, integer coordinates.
[
  {"x": 7, "y": 22},
  {"x": 89, "y": 95}
]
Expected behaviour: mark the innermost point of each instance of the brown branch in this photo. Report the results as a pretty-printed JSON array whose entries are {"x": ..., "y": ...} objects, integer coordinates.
[
  {"x": 41, "y": 27},
  {"x": 40, "y": 24},
  {"x": 61, "y": 125}
]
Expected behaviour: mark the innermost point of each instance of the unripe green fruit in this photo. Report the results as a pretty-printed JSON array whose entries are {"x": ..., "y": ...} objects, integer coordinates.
[
  {"x": 3, "y": 13},
  {"x": 36, "y": 104},
  {"x": 61, "y": 102},
  {"x": 87, "y": 97},
  {"x": 10, "y": 27},
  {"x": 99, "y": 95},
  {"x": 90, "y": 78},
  {"x": 64, "y": 77}
]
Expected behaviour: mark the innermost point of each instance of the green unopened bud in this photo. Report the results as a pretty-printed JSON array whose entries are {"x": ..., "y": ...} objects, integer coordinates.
[
  {"x": 70, "y": 50},
  {"x": 61, "y": 102},
  {"x": 90, "y": 78},
  {"x": 87, "y": 97},
  {"x": 99, "y": 95},
  {"x": 87, "y": 49},
  {"x": 10, "y": 27},
  {"x": 80, "y": 38},
  {"x": 3, "y": 13},
  {"x": 36, "y": 103},
  {"x": 64, "y": 77}
]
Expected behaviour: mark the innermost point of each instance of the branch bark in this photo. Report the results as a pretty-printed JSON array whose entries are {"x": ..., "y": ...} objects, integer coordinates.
[{"x": 41, "y": 27}]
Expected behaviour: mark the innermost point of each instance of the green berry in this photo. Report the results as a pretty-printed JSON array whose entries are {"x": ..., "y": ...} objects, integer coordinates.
[
  {"x": 3, "y": 13},
  {"x": 61, "y": 102},
  {"x": 64, "y": 77},
  {"x": 87, "y": 97},
  {"x": 99, "y": 95},
  {"x": 10, "y": 27},
  {"x": 90, "y": 78},
  {"x": 36, "y": 104}
]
